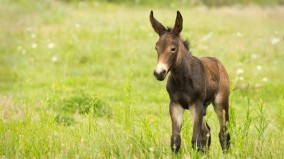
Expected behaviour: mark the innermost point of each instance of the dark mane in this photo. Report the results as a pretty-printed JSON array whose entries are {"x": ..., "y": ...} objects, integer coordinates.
[
  {"x": 185, "y": 42},
  {"x": 186, "y": 45}
]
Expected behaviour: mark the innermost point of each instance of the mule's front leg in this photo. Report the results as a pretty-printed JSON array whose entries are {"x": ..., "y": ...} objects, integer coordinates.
[
  {"x": 201, "y": 137},
  {"x": 176, "y": 112}
]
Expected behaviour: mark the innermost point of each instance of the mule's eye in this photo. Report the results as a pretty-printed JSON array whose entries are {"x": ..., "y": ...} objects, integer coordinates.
[{"x": 173, "y": 50}]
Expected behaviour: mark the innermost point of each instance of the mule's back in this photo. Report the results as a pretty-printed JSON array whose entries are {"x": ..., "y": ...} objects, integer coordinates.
[{"x": 217, "y": 79}]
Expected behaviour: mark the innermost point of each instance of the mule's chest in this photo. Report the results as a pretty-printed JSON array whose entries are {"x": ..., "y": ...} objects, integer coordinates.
[
  {"x": 182, "y": 98},
  {"x": 182, "y": 91}
]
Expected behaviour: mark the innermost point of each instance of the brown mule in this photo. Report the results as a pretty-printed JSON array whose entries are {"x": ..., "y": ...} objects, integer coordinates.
[{"x": 193, "y": 83}]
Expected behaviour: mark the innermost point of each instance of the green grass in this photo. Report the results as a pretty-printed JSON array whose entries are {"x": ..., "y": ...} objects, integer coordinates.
[{"x": 76, "y": 80}]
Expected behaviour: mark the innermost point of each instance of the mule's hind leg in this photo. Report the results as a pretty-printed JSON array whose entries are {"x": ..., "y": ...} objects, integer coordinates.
[
  {"x": 205, "y": 130},
  {"x": 221, "y": 107}
]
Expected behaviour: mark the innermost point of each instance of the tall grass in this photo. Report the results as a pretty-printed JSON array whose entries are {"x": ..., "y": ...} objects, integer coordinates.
[{"x": 76, "y": 80}]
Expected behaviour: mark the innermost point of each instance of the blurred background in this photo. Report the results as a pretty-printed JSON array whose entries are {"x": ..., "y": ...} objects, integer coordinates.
[
  {"x": 76, "y": 77},
  {"x": 208, "y": 3}
]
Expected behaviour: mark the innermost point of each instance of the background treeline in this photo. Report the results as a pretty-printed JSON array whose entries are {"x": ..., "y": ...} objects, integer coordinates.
[{"x": 209, "y": 3}]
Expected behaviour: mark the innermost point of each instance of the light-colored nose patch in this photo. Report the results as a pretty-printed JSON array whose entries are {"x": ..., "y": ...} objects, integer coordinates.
[{"x": 160, "y": 67}]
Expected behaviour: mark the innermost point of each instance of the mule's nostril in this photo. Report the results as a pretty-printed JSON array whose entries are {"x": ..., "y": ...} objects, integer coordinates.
[{"x": 163, "y": 72}]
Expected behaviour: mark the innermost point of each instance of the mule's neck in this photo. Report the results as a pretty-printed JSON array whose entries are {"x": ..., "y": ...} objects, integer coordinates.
[{"x": 183, "y": 59}]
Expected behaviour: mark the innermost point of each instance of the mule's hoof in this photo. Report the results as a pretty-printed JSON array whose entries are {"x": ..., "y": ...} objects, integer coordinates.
[
  {"x": 225, "y": 142},
  {"x": 175, "y": 143},
  {"x": 175, "y": 148}
]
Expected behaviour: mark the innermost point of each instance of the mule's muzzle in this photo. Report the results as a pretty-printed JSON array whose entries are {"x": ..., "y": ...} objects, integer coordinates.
[{"x": 160, "y": 75}]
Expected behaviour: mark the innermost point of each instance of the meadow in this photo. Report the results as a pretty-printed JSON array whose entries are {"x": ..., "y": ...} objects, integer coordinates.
[{"x": 76, "y": 80}]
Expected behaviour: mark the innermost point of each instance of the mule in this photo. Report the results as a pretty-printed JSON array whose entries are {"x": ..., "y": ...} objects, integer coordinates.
[{"x": 193, "y": 84}]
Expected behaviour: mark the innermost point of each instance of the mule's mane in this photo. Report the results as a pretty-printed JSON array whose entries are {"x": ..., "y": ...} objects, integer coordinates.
[{"x": 185, "y": 42}]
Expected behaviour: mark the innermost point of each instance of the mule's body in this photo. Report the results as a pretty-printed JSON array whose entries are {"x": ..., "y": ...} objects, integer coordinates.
[
  {"x": 193, "y": 84},
  {"x": 185, "y": 88}
]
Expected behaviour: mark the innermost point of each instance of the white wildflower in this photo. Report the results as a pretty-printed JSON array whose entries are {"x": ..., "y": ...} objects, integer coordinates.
[
  {"x": 77, "y": 25},
  {"x": 238, "y": 34},
  {"x": 50, "y": 45},
  {"x": 258, "y": 67},
  {"x": 264, "y": 79},
  {"x": 240, "y": 71},
  {"x": 34, "y": 45},
  {"x": 241, "y": 78},
  {"x": 254, "y": 56},
  {"x": 54, "y": 58},
  {"x": 33, "y": 35},
  {"x": 274, "y": 41}
]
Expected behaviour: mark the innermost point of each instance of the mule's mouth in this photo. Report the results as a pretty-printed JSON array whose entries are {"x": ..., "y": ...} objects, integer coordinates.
[{"x": 161, "y": 75}]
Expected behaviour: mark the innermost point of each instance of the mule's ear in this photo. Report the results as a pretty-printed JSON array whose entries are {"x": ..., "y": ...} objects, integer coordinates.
[
  {"x": 178, "y": 24},
  {"x": 157, "y": 26}
]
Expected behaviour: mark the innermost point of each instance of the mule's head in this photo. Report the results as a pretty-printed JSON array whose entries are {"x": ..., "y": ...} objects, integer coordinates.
[{"x": 167, "y": 46}]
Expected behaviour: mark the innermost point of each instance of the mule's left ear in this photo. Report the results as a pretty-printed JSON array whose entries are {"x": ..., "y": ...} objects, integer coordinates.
[{"x": 178, "y": 24}]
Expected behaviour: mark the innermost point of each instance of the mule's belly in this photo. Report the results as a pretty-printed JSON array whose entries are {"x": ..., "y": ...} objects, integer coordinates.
[{"x": 208, "y": 100}]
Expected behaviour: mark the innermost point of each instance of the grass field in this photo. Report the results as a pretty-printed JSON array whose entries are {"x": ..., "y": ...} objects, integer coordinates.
[{"x": 76, "y": 80}]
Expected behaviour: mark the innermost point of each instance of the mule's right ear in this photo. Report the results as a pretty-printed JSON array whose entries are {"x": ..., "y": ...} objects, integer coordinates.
[
  {"x": 157, "y": 26},
  {"x": 178, "y": 24}
]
